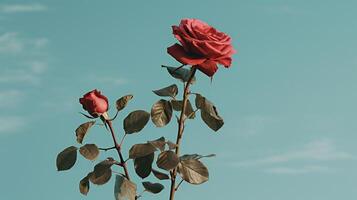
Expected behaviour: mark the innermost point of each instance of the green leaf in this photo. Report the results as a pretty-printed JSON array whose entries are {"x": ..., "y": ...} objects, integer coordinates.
[
  {"x": 102, "y": 172},
  {"x": 193, "y": 171},
  {"x": 82, "y": 130},
  {"x": 141, "y": 150},
  {"x": 212, "y": 119},
  {"x": 89, "y": 151},
  {"x": 169, "y": 91},
  {"x": 160, "y": 175},
  {"x": 189, "y": 112},
  {"x": 209, "y": 113},
  {"x": 153, "y": 187},
  {"x": 84, "y": 185},
  {"x": 159, "y": 143},
  {"x": 124, "y": 189},
  {"x": 167, "y": 160},
  {"x": 136, "y": 121},
  {"x": 66, "y": 158},
  {"x": 200, "y": 101},
  {"x": 195, "y": 156},
  {"x": 161, "y": 113},
  {"x": 143, "y": 165},
  {"x": 182, "y": 74},
  {"x": 123, "y": 101}
]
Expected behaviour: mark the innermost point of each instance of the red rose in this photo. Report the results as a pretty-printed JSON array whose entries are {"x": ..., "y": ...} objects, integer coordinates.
[
  {"x": 95, "y": 103},
  {"x": 202, "y": 46}
]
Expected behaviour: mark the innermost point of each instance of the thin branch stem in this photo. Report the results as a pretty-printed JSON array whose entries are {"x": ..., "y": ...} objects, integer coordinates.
[
  {"x": 122, "y": 140},
  {"x": 118, "y": 148},
  {"x": 181, "y": 126},
  {"x": 106, "y": 149},
  {"x": 178, "y": 185}
]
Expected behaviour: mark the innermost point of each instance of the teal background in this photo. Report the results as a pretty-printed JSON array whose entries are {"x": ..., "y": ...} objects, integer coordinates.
[{"x": 289, "y": 99}]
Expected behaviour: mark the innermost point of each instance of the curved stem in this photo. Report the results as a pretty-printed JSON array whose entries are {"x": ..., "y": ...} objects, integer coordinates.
[
  {"x": 181, "y": 126},
  {"x": 118, "y": 148},
  {"x": 106, "y": 149}
]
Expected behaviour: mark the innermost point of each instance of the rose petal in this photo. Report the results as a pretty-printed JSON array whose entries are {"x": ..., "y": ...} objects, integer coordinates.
[
  {"x": 226, "y": 62},
  {"x": 209, "y": 67},
  {"x": 178, "y": 52}
]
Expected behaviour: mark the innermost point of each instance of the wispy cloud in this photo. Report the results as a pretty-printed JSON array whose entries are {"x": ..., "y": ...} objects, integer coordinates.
[
  {"x": 13, "y": 43},
  {"x": 110, "y": 80},
  {"x": 23, "y": 59},
  {"x": 321, "y": 150},
  {"x": 12, "y": 124},
  {"x": 255, "y": 124},
  {"x": 10, "y": 43},
  {"x": 22, "y": 8},
  {"x": 10, "y": 98},
  {"x": 300, "y": 170},
  {"x": 283, "y": 9}
]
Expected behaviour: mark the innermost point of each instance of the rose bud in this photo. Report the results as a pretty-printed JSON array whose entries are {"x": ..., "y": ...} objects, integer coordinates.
[
  {"x": 202, "y": 46},
  {"x": 95, "y": 103}
]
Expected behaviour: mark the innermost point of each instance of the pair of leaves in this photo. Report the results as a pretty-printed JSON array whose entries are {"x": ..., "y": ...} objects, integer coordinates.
[
  {"x": 143, "y": 155},
  {"x": 180, "y": 73},
  {"x": 178, "y": 104},
  {"x": 68, "y": 157},
  {"x": 209, "y": 113},
  {"x": 136, "y": 121},
  {"x": 161, "y": 113},
  {"x": 102, "y": 172},
  {"x": 124, "y": 189}
]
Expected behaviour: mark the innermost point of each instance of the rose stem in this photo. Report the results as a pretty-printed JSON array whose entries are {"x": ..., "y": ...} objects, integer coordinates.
[
  {"x": 181, "y": 125},
  {"x": 118, "y": 148}
]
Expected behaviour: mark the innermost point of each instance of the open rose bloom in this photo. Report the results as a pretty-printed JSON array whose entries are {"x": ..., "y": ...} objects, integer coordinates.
[{"x": 202, "y": 46}]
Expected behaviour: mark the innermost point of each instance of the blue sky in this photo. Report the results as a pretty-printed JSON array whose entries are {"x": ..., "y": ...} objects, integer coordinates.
[{"x": 288, "y": 100}]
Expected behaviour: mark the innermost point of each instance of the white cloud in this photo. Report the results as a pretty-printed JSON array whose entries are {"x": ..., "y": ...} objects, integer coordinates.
[
  {"x": 22, "y": 8},
  {"x": 10, "y": 98},
  {"x": 19, "y": 76},
  {"x": 255, "y": 124},
  {"x": 111, "y": 80},
  {"x": 12, "y": 124},
  {"x": 38, "y": 66},
  {"x": 10, "y": 43},
  {"x": 283, "y": 9},
  {"x": 30, "y": 61},
  {"x": 40, "y": 42},
  {"x": 321, "y": 150},
  {"x": 302, "y": 170}
]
